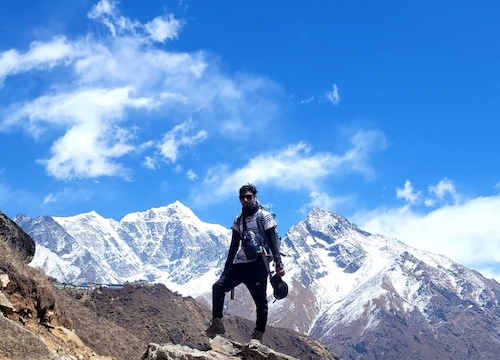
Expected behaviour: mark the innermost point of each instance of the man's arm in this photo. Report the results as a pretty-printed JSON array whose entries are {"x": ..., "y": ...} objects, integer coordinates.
[{"x": 274, "y": 245}]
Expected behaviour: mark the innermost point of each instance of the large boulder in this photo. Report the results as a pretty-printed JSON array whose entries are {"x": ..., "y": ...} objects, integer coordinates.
[
  {"x": 221, "y": 349},
  {"x": 16, "y": 238},
  {"x": 17, "y": 343}
]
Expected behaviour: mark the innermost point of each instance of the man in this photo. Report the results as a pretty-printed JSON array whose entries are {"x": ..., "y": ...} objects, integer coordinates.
[{"x": 238, "y": 269}]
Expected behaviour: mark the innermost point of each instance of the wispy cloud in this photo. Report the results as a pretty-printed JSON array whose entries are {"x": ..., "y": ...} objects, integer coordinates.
[
  {"x": 40, "y": 56},
  {"x": 408, "y": 193},
  {"x": 467, "y": 232},
  {"x": 48, "y": 199},
  {"x": 439, "y": 193},
  {"x": 149, "y": 163},
  {"x": 333, "y": 96},
  {"x": 307, "y": 101},
  {"x": 160, "y": 29},
  {"x": 298, "y": 167},
  {"x": 321, "y": 200},
  {"x": 93, "y": 111},
  {"x": 180, "y": 135},
  {"x": 191, "y": 175}
]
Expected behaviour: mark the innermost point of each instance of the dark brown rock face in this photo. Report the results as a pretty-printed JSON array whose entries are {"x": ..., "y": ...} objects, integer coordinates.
[{"x": 16, "y": 238}]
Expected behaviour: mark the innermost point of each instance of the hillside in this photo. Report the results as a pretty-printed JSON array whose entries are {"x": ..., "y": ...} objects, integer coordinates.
[
  {"x": 362, "y": 295},
  {"x": 41, "y": 321},
  {"x": 33, "y": 323}
]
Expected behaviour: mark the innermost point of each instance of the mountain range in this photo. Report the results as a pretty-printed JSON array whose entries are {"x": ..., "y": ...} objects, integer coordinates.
[{"x": 362, "y": 295}]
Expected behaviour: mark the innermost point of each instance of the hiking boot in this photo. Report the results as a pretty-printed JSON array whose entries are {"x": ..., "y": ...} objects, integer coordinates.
[
  {"x": 215, "y": 328},
  {"x": 256, "y": 337}
]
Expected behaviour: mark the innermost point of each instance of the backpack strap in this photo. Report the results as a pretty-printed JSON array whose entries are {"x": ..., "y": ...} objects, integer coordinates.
[
  {"x": 260, "y": 225},
  {"x": 241, "y": 224},
  {"x": 265, "y": 254}
]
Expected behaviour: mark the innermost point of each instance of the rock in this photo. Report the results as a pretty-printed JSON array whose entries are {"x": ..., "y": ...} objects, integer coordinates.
[
  {"x": 68, "y": 336},
  {"x": 11, "y": 233},
  {"x": 4, "y": 281},
  {"x": 5, "y": 304},
  {"x": 222, "y": 349},
  {"x": 18, "y": 343}
]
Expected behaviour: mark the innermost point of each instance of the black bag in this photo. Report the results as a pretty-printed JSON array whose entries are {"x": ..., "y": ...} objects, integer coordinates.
[
  {"x": 252, "y": 244},
  {"x": 279, "y": 286}
]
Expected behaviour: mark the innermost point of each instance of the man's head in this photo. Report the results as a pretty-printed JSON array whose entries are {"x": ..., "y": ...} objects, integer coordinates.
[{"x": 247, "y": 195}]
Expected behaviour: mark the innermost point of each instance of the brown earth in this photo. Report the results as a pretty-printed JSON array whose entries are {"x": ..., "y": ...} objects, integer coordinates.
[
  {"x": 117, "y": 323},
  {"x": 121, "y": 322}
]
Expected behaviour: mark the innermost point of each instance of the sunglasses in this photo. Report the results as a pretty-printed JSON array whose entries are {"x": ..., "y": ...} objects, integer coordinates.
[{"x": 246, "y": 197}]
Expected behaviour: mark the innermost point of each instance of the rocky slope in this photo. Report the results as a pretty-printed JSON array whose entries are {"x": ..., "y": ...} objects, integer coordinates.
[
  {"x": 40, "y": 321},
  {"x": 362, "y": 295}
]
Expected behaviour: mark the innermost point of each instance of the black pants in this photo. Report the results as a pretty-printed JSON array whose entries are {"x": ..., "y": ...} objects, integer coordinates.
[{"x": 254, "y": 276}]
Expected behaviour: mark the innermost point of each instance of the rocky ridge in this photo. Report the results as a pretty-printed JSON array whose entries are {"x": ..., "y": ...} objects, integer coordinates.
[
  {"x": 362, "y": 295},
  {"x": 40, "y": 321},
  {"x": 17, "y": 238}
]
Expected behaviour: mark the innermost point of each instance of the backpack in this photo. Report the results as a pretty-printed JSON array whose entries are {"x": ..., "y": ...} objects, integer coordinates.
[{"x": 254, "y": 241}]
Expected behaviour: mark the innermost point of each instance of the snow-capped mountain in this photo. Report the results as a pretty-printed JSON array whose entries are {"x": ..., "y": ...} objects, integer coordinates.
[
  {"x": 381, "y": 299},
  {"x": 364, "y": 296},
  {"x": 167, "y": 244}
]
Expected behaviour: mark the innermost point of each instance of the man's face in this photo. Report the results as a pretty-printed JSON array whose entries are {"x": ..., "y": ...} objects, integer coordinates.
[{"x": 247, "y": 199}]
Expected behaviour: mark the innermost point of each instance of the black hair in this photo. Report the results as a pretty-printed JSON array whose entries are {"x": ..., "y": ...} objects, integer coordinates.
[{"x": 248, "y": 187}]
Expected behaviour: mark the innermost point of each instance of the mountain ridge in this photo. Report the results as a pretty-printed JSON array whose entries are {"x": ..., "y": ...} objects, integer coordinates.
[{"x": 345, "y": 283}]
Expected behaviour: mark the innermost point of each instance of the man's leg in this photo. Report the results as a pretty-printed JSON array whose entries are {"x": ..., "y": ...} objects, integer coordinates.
[
  {"x": 256, "y": 283},
  {"x": 228, "y": 280}
]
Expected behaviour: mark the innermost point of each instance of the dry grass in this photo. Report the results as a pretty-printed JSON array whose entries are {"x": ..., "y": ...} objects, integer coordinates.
[{"x": 30, "y": 291}]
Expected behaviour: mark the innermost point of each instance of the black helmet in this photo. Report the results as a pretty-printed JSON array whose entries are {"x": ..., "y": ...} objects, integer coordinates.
[{"x": 280, "y": 287}]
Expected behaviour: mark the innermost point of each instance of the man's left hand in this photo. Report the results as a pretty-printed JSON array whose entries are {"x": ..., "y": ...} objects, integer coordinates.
[{"x": 280, "y": 270}]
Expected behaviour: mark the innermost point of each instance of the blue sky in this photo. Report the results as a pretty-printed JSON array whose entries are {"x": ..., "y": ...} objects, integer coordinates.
[{"x": 384, "y": 112}]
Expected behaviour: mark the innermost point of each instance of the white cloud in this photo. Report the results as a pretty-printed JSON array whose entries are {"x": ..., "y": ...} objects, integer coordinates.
[
  {"x": 440, "y": 191},
  {"x": 297, "y": 167},
  {"x": 307, "y": 101},
  {"x": 191, "y": 175},
  {"x": 92, "y": 139},
  {"x": 108, "y": 78},
  {"x": 438, "y": 194},
  {"x": 49, "y": 198},
  {"x": 468, "y": 233},
  {"x": 408, "y": 193},
  {"x": 160, "y": 29},
  {"x": 105, "y": 12},
  {"x": 67, "y": 194},
  {"x": 40, "y": 56},
  {"x": 321, "y": 200},
  {"x": 83, "y": 152},
  {"x": 149, "y": 163},
  {"x": 333, "y": 96},
  {"x": 163, "y": 28},
  {"x": 180, "y": 135}
]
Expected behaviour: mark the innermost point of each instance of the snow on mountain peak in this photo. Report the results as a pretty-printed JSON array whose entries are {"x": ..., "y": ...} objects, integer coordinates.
[
  {"x": 176, "y": 212},
  {"x": 344, "y": 282},
  {"x": 176, "y": 209}
]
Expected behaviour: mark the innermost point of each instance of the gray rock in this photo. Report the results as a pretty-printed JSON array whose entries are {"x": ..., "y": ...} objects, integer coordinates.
[
  {"x": 17, "y": 343},
  {"x": 222, "y": 349},
  {"x": 16, "y": 238},
  {"x": 5, "y": 304},
  {"x": 4, "y": 281}
]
